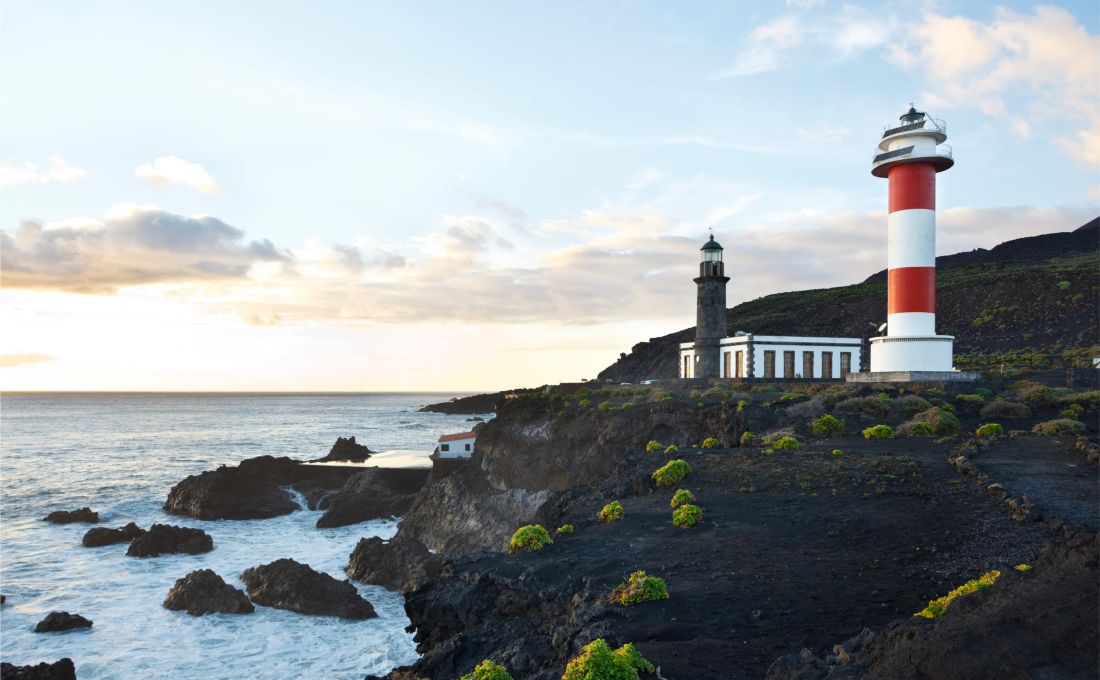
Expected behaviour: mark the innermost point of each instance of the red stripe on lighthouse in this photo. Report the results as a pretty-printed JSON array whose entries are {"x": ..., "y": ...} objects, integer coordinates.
[
  {"x": 912, "y": 185},
  {"x": 911, "y": 289}
]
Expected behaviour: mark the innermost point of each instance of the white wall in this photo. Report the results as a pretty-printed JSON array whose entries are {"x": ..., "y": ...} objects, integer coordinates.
[
  {"x": 912, "y": 354},
  {"x": 457, "y": 448},
  {"x": 687, "y": 349},
  {"x": 800, "y": 345}
]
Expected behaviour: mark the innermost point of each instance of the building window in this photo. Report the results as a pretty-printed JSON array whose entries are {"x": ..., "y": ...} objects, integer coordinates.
[
  {"x": 769, "y": 363},
  {"x": 788, "y": 364},
  {"x": 827, "y": 365},
  {"x": 845, "y": 363},
  {"x": 740, "y": 361},
  {"x": 444, "y": 447},
  {"x": 726, "y": 365},
  {"x": 467, "y": 447},
  {"x": 807, "y": 365},
  {"x": 687, "y": 366}
]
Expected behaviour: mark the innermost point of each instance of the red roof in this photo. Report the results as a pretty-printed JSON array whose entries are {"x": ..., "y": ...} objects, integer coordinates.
[{"x": 453, "y": 437}]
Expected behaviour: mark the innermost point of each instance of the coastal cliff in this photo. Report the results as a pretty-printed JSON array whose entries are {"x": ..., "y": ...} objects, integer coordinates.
[{"x": 797, "y": 548}]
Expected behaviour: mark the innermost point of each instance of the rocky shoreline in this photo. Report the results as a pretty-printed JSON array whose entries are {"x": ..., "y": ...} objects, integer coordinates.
[{"x": 798, "y": 550}]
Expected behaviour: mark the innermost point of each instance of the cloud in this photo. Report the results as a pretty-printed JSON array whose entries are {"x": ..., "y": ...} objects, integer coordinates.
[
  {"x": 764, "y": 46},
  {"x": 824, "y": 134},
  {"x": 173, "y": 170},
  {"x": 1046, "y": 58},
  {"x": 60, "y": 170},
  {"x": 23, "y": 358},
  {"x": 133, "y": 245}
]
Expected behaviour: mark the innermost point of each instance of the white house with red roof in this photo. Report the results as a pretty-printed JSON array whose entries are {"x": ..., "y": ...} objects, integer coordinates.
[{"x": 456, "y": 445}]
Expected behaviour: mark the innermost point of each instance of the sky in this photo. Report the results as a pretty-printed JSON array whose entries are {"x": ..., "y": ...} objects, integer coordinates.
[{"x": 362, "y": 196}]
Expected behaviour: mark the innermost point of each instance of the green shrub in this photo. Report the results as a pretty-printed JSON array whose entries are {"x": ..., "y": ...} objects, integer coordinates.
[
  {"x": 1033, "y": 392},
  {"x": 713, "y": 392},
  {"x": 741, "y": 404},
  {"x": 838, "y": 452},
  {"x": 672, "y": 448},
  {"x": 612, "y": 512},
  {"x": 1001, "y": 408},
  {"x": 990, "y": 430},
  {"x": 597, "y": 662},
  {"x": 585, "y": 403},
  {"x": 680, "y": 497},
  {"x": 653, "y": 446},
  {"x": 565, "y": 529},
  {"x": 941, "y": 422},
  {"x": 910, "y": 405},
  {"x": 1059, "y": 426},
  {"x": 659, "y": 395},
  {"x": 640, "y": 588},
  {"x": 710, "y": 443},
  {"x": 879, "y": 432},
  {"x": 687, "y": 515},
  {"x": 1022, "y": 567},
  {"x": 529, "y": 538},
  {"x": 487, "y": 670},
  {"x": 1063, "y": 285},
  {"x": 627, "y": 404},
  {"x": 1073, "y": 411},
  {"x": 827, "y": 425},
  {"x": 950, "y": 408},
  {"x": 972, "y": 400},
  {"x": 787, "y": 443},
  {"x": 936, "y": 607},
  {"x": 746, "y": 438},
  {"x": 671, "y": 472},
  {"x": 918, "y": 429},
  {"x": 767, "y": 451},
  {"x": 604, "y": 405},
  {"x": 875, "y": 407}
]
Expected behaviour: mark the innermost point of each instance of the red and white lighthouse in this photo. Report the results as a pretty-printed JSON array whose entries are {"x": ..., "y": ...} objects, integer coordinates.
[{"x": 910, "y": 154}]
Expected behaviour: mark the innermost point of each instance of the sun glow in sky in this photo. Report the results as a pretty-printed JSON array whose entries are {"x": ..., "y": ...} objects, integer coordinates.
[{"x": 467, "y": 196}]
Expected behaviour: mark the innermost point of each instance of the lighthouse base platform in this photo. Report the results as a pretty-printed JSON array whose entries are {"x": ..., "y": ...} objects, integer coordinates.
[
  {"x": 913, "y": 377},
  {"x": 913, "y": 358}
]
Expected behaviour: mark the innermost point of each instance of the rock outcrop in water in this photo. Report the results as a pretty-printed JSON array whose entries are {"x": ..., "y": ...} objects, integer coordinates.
[
  {"x": 56, "y": 622},
  {"x": 347, "y": 449},
  {"x": 166, "y": 538},
  {"x": 401, "y": 564},
  {"x": 100, "y": 536},
  {"x": 62, "y": 669},
  {"x": 372, "y": 494},
  {"x": 204, "y": 592},
  {"x": 254, "y": 489},
  {"x": 86, "y": 515},
  {"x": 287, "y": 584}
]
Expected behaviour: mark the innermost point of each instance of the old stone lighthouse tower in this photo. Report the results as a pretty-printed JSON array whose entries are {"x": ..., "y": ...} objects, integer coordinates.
[{"x": 710, "y": 311}]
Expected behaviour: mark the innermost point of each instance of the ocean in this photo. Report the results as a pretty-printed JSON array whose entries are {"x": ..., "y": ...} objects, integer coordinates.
[{"x": 120, "y": 454}]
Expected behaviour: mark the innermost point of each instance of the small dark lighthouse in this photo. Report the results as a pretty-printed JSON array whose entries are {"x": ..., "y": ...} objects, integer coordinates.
[{"x": 710, "y": 311}]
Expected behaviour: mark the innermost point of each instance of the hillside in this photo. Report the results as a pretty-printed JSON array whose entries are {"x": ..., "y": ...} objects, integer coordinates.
[{"x": 1029, "y": 303}]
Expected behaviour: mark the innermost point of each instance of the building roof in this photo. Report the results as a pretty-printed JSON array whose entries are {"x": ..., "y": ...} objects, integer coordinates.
[
  {"x": 711, "y": 244},
  {"x": 456, "y": 437}
]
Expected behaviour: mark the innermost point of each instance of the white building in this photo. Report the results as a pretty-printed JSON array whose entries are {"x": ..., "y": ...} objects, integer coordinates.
[
  {"x": 744, "y": 355},
  {"x": 457, "y": 445},
  {"x": 779, "y": 356}
]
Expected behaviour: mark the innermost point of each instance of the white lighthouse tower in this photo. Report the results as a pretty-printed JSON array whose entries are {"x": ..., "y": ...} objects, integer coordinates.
[{"x": 910, "y": 154}]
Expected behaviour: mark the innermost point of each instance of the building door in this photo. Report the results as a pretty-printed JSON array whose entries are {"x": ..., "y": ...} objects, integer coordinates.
[
  {"x": 769, "y": 363},
  {"x": 845, "y": 363},
  {"x": 687, "y": 366},
  {"x": 739, "y": 359},
  {"x": 807, "y": 365},
  {"x": 726, "y": 365},
  {"x": 788, "y": 365},
  {"x": 827, "y": 365}
]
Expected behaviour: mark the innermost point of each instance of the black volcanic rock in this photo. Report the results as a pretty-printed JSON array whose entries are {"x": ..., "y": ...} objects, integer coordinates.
[
  {"x": 474, "y": 404},
  {"x": 401, "y": 564},
  {"x": 70, "y": 516},
  {"x": 166, "y": 538},
  {"x": 62, "y": 669},
  {"x": 248, "y": 491},
  {"x": 61, "y": 621},
  {"x": 347, "y": 449},
  {"x": 372, "y": 494},
  {"x": 100, "y": 536},
  {"x": 204, "y": 592},
  {"x": 287, "y": 584}
]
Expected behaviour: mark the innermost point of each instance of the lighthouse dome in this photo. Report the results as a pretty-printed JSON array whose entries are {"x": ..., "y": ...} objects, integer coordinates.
[{"x": 711, "y": 244}]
